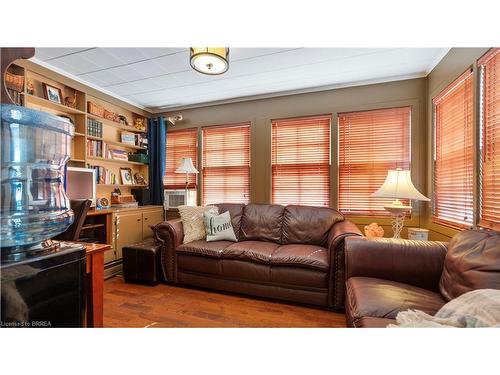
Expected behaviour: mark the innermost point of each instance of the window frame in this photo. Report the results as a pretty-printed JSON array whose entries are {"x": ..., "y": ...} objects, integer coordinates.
[
  {"x": 195, "y": 159},
  {"x": 383, "y": 216},
  {"x": 248, "y": 124},
  {"x": 328, "y": 116},
  {"x": 433, "y": 220}
]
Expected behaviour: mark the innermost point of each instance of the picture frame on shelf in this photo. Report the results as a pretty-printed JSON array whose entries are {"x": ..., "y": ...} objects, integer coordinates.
[
  {"x": 52, "y": 93},
  {"x": 127, "y": 177}
]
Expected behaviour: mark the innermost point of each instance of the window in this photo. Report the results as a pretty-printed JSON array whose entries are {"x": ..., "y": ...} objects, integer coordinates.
[
  {"x": 370, "y": 143},
  {"x": 301, "y": 161},
  {"x": 453, "y": 154},
  {"x": 490, "y": 140},
  {"x": 180, "y": 143},
  {"x": 226, "y": 164}
]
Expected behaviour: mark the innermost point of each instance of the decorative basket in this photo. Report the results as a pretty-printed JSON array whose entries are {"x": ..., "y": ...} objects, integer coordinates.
[
  {"x": 14, "y": 82},
  {"x": 95, "y": 109},
  {"x": 108, "y": 115}
]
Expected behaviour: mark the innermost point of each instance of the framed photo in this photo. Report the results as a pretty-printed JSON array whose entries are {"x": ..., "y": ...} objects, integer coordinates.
[
  {"x": 126, "y": 175},
  {"x": 53, "y": 94}
]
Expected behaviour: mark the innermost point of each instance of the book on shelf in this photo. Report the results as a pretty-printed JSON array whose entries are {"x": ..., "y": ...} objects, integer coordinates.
[
  {"x": 94, "y": 148},
  {"x": 104, "y": 175},
  {"x": 94, "y": 128},
  {"x": 117, "y": 154}
]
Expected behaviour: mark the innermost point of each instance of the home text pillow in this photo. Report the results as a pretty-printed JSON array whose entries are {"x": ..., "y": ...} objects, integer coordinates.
[
  {"x": 192, "y": 221},
  {"x": 219, "y": 227}
]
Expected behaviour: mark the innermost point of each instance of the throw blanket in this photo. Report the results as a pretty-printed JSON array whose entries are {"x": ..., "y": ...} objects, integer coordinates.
[{"x": 478, "y": 308}]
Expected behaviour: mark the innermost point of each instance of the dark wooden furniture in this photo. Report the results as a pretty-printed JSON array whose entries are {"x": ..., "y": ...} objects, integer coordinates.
[{"x": 94, "y": 283}]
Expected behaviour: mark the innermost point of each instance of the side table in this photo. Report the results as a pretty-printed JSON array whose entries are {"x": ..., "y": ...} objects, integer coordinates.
[{"x": 94, "y": 283}]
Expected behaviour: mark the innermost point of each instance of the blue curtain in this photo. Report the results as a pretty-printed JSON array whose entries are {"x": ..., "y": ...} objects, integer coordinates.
[{"x": 157, "y": 139}]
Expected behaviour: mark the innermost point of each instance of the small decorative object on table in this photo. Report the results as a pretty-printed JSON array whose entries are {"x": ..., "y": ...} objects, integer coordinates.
[
  {"x": 30, "y": 88},
  {"x": 102, "y": 203},
  {"x": 70, "y": 101},
  {"x": 418, "y": 234},
  {"x": 374, "y": 230},
  {"x": 139, "y": 124},
  {"x": 52, "y": 93}
]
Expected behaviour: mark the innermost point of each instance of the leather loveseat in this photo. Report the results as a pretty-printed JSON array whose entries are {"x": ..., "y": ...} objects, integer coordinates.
[
  {"x": 292, "y": 253},
  {"x": 386, "y": 276}
]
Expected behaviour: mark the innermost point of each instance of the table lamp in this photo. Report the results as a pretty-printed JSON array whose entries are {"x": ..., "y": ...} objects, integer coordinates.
[
  {"x": 186, "y": 167},
  {"x": 398, "y": 185}
]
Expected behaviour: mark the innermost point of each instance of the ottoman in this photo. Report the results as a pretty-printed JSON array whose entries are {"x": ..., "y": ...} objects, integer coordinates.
[{"x": 141, "y": 262}]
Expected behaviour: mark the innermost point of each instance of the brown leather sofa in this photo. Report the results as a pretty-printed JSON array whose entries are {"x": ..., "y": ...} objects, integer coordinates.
[
  {"x": 292, "y": 253},
  {"x": 386, "y": 276}
]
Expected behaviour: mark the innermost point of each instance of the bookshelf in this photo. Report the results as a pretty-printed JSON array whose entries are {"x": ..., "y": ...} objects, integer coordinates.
[{"x": 31, "y": 95}]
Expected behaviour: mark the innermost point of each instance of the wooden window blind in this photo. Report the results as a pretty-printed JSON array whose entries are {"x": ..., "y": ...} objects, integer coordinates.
[
  {"x": 490, "y": 140},
  {"x": 453, "y": 154},
  {"x": 226, "y": 164},
  {"x": 301, "y": 161},
  {"x": 180, "y": 143},
  {"x": 370, "y": 143}
]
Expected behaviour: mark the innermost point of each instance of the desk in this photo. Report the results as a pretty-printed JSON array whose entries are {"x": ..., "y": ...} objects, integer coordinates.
[{"x": 94, "y": 282}]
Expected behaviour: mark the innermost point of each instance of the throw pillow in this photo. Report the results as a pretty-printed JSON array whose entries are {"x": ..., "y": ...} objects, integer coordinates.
[
  {"x": 192, "y": 221},
  {"x": 219, "y": 227}
]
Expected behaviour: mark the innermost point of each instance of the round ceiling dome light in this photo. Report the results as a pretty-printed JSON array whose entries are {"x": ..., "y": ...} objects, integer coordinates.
[{"x": 209, "y": 60}]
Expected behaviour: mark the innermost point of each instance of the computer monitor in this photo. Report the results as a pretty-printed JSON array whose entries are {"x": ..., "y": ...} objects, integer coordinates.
[{"x": 80, "y": 184}]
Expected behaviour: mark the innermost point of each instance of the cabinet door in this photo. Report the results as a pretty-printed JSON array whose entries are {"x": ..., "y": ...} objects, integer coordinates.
[
  {"x": 128, "y": 230},
  {"x": 152, "y": 218}
]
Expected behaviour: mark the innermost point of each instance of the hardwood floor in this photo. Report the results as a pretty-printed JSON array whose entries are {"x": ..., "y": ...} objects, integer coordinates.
[{"x": 133, "y": 305}]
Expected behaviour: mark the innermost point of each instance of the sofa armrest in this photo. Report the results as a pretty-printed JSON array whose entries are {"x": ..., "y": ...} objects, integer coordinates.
[
  {"x": 336, "y": 239},
  {"x": 418, "y": 263},
  {"x": 170, "y": 234}
]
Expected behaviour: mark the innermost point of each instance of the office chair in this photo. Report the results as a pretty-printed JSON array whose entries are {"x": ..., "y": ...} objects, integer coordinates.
[{"x": 80, "y": 209}]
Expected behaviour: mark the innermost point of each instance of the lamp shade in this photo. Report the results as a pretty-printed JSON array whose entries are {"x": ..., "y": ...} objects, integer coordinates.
[
  {"x": 186, "y": 166},
  {"x": 398, "y": 185},
  {"x": 209, "y": 60}
]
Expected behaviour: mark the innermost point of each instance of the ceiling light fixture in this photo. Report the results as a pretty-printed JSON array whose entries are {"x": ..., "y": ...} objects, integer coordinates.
[{"x": 209, "y": 60}]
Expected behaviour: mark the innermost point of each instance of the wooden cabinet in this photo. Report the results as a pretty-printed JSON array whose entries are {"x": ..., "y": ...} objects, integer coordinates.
[
  {"x": 150, "y": 219},
  {"x": 128, "y": 230},
  {"x": 130, "y": 226}
]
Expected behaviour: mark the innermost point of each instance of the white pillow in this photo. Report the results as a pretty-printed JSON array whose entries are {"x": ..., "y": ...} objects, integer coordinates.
[
  {"x": 219, "y": 227},
  {"x": 192, "y": 221}
]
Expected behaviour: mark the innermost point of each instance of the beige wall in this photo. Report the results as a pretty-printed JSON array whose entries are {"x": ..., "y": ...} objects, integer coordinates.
[
  {"x": 457, "y": 61},
  {"x": 261, "y": 112}
]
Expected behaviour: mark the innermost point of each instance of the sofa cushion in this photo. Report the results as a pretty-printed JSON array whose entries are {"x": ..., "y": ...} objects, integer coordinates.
[
  {"x": 262, "y": 222},
  {"x": 309, "y": 256},
  {"x": 299, "y": 276},
  {"x": 308, "y": 225},
  {"x": 252, "y": 251},
  {"x": 236, "y": 212},
  {"x": 472, "y": 262},
  {"x": 201, "y": 247},
  {"x": 370, "y": 297}
]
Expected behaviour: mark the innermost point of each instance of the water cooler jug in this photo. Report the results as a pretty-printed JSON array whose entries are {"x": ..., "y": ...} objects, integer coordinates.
[{"x": 42, "y": 280}]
